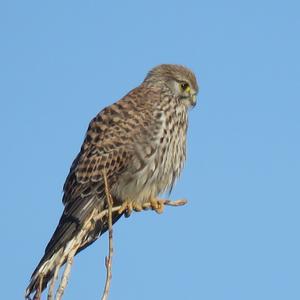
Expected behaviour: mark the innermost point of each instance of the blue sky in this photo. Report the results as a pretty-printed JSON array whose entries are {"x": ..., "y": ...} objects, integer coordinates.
[{"x": 238, "y": 237}]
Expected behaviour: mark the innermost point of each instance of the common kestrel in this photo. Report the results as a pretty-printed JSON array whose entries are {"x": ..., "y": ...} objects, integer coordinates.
[{"x": 140, "y": 143}]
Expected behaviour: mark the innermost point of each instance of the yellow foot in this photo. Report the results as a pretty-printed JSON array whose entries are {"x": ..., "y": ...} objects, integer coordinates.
[
  {"x": 128, "y": 206},
  {"x": 157, "y": 205}
]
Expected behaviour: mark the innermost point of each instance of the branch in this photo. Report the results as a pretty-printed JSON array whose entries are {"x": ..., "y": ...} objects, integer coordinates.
[
  {"x": 53, "y": 280},
  {"x": 68, "y": 256},
  {"x": 146, "y": 205},
  {"x": 66, "y": 274},
  {"x": 38, "y": 293},
  {"x": 108, "y": 259}
]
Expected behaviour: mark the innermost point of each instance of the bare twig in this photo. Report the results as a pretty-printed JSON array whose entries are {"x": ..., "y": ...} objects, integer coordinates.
[
  {"x": 52, "y": 283},
  {"x": 108, "y": 259},
  {"x": 179, "y": 202},
  {"x": 66, "y": 274},
  {"x": 38, "y": 293}
]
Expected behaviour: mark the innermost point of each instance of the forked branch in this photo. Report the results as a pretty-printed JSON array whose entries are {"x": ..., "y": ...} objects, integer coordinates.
[{"x": 77, "y": 242}]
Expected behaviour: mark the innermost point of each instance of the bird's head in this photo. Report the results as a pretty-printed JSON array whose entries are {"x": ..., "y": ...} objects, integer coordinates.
[{"x": 180, "y": 80}]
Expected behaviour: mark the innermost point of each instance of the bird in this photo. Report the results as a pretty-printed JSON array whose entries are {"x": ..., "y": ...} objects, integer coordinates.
[{"x": 140, "y": 143}]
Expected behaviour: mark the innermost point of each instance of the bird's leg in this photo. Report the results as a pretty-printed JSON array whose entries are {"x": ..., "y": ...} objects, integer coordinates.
[
  {"x": 128, "y": 206},
  {"x": 157, "y": 205},
  {"x": 137, "y": 206}
]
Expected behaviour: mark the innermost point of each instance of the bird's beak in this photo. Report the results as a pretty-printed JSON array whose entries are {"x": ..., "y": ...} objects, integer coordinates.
[{"x": 193, "y": 99}]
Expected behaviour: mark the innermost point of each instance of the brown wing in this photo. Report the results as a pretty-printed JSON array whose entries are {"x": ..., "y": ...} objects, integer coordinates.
[
  {"x": 104, "y": 148},
  {"x": 110, "y": 142}
]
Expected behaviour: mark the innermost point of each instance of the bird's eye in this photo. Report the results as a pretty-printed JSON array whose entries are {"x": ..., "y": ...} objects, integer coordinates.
[{"x": 184, "y": 86}]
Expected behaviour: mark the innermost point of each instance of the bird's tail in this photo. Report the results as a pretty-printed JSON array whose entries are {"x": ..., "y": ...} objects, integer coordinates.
[
  {"x": 71, "y": 222},
  {"x": 74, "y": 217},
  {"x": 43, "y": 273},
  {"x": 54, "y": 258}
]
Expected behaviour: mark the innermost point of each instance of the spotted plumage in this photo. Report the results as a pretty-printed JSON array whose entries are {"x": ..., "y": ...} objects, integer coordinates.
[{"x": 140, "y": 143}]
